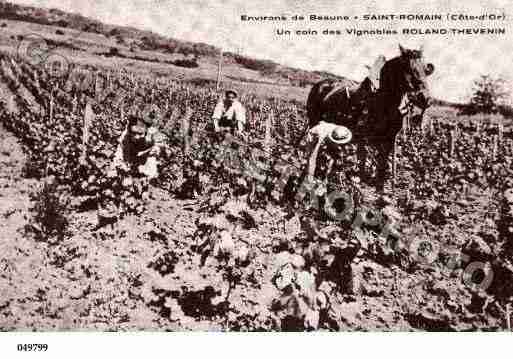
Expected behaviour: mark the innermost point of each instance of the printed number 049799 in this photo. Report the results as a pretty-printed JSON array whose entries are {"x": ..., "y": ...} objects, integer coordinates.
[{"x": 32, "y": 347}]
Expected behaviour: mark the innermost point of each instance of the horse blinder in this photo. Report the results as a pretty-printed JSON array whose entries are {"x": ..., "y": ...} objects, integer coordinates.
[{"x": 430, "y": 68}]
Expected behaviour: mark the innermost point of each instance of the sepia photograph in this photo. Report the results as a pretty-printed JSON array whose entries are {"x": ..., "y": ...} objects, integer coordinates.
[{"x": 269, "y": 166}]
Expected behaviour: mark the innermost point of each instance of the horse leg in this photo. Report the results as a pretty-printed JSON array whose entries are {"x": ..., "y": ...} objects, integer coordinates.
[
  {"x": 361, "y": 154},
  {"x": 384, "y": 150},
  {"x": 394, "y": 164},
  {"x": 380, "y": 169}
]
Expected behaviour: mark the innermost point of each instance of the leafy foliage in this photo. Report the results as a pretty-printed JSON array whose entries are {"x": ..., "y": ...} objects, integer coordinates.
[
  {"x": 49, "y": 212},
  {"x": 250, "y": 233},
  {"x": 487, "y": 95}
]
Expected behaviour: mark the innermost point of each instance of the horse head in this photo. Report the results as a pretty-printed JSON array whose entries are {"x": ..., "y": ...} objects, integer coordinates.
[{"x": 415, "y": 72}]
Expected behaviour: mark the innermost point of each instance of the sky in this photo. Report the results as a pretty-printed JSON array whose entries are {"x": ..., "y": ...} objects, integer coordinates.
[{"x": 458, "y": 59}]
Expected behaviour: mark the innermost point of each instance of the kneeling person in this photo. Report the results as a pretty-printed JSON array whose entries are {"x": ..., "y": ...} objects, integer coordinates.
[
  {"x": 229, "y": 114},
  {"x": 134, "y": 165},
  {"x": 326, "y": 138},
  {"x": 139, "y": 147}
]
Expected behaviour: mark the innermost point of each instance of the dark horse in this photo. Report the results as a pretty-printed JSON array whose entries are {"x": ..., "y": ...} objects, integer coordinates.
[{"x": 374, "y": 117}]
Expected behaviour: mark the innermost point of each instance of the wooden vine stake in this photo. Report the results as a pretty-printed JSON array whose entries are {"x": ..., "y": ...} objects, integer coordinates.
[
  {"x": 452, "y": 139},
  {"x": 88, "y": 120},
  {"x": 51, "y": 106},
  {"x": 508, "y": 316},
  {"x": 495, "y": 147},
  {"x": 75, "y": 104},
  {"x": 500, "y": 128},
  {"x": 36, "y": 80},
  {"x": 135, "y": 86},
  {"x": 174, "y": 115},
  {"x": 219, "y": 70},
  {"x": 11, "y": 104},
  {"x": 267, "y": 138},
  {"x": 404, "y": 128},
  {"x": 97, "y": 88},
  {"x": 431, "y": 127},
  {"x": 186, "y": 126}
]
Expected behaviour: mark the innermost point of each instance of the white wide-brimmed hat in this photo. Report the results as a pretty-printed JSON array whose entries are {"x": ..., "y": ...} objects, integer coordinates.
[{"x": 340, "y": 135}]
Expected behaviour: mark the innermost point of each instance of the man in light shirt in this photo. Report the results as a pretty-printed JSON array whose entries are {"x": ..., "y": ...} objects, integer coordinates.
[
  {"x": 229, "y": 114},
  {"x": 328, "y": 138}
]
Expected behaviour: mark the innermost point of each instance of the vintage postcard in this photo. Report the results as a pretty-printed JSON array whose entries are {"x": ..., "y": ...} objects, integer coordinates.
[{"x": 255, "y": 166}]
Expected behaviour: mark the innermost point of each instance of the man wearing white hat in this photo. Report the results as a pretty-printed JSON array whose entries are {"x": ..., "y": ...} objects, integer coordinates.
[{"x": 332, "y": 136}]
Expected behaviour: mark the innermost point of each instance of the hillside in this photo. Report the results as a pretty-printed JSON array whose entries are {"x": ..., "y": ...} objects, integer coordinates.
[{"x": 83, "y": 34}]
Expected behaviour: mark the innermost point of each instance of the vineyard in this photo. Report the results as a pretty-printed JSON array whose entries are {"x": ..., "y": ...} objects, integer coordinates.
[{"x": 219, "y": 241}]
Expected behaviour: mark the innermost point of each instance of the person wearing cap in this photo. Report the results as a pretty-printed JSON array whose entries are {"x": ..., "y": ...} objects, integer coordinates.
[
  {"x": 229, "y": 114},
  {"x": 329, "y": 137}
]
